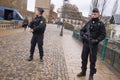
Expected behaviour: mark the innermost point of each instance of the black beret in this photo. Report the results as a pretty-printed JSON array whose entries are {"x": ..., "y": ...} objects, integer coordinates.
[
  {"x": 41, "y": 10},
  {"x": 96, "y": 10}
]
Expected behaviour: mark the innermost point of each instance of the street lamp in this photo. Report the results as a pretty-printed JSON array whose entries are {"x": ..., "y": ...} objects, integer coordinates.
[{"x": 63, "y": 16}]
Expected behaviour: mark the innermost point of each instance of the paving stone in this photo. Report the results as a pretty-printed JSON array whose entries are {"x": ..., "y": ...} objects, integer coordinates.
[
  {"x": 14, "y": 51},
  {"x": 62, "y": 60}
]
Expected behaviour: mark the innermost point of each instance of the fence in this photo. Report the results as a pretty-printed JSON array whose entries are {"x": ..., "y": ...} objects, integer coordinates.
[
  {"x": 109, "y": 51},
  {"x": 76, "y": 34},
  {"x": 8, "y": 25}
]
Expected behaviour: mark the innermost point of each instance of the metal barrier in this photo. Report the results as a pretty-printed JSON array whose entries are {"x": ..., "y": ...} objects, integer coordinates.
[
  {"x": 109, "y": 51},
  {"x": 76, "y": 34},
  {"x": 104, "y": 49},
  {"x": 8, "y": 26}
]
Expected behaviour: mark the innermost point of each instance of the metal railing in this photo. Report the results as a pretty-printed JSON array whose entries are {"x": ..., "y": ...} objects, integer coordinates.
[
  {"x": 76, "y": 34},
  {"x": 111, "y": 53},
  {"x": 8, "y": 25}
]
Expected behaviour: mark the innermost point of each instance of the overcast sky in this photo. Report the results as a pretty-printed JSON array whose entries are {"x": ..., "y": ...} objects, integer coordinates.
[{"x": 83, "y": 5}]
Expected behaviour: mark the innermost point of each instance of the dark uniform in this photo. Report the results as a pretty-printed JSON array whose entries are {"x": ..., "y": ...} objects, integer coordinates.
[
  {"x": 97, "y": 34},
  {"x": 92, "y": 33},
  {"x": 38, "y": 25}
]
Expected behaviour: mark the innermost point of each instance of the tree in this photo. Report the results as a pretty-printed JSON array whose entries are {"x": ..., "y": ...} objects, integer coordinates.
[
  {"x": 52, "y": 6},
  {"x": 52, "y": 14},
  {"x": 71, "y": 11},
  {"x": 96, "y": 4},
  {"x": 103, "y": 7},
  {"x": 115, "y": 7}
]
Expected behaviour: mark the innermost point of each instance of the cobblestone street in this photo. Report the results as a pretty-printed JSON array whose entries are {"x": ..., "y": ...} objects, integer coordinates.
[
  {"x": 14, "y": 51},
  {"x": 62, "y": 58}
]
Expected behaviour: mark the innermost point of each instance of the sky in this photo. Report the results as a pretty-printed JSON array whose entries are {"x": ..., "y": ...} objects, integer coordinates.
[{"x": 83, "y": 5}]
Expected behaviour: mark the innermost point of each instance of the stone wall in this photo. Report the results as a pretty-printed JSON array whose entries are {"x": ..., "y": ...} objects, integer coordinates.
[{"x": 30, "y": 15}]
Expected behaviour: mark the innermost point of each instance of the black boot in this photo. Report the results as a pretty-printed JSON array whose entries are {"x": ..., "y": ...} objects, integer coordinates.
[
  {"x": 91, "y": 77},
  {"x": 30, "y": 58},
  {"x": 81, "y": 74},
  {"x": 41, "y": 59}
]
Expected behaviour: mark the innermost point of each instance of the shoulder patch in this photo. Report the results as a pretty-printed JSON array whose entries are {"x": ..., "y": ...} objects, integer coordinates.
[{"x": 41, "y": 22}]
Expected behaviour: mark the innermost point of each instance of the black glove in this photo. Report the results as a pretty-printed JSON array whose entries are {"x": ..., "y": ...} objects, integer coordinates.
[
  {"x": 85, "y": 36},
  {"x": 94, "y": 41}
]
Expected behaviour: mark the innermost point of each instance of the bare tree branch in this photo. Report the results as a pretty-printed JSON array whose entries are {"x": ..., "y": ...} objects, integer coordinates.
[
  {"x": 103, "y": 7},
  {"x": 115, "y": 7}
]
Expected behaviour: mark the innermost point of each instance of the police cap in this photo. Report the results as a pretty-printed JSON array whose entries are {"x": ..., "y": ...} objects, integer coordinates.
[
  {"x": 95, "y": 10},
  {"x": 41, "y": 10}
]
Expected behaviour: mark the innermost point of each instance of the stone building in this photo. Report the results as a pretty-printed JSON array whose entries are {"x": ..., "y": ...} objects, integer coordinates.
[
  {"x": 20, "y": 5},
  {"x": 30, "y": 15}
]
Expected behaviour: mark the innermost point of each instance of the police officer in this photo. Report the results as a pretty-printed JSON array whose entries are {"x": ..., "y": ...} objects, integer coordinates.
[
  {"x": 37, "y": 27},
  {"x": 92, "y": 33}
]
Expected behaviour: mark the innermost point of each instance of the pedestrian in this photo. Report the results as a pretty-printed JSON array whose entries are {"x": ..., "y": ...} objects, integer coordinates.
[
  {"x": 92, "y": 33},
  {"x": 25, "y": 23},
  {"x": 37, "y": 27}
]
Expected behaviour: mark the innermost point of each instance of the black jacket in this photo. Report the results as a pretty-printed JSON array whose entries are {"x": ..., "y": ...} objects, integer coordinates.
[
  {"x": 97, "y": 30},
  {"x": 38, "y": 25}
]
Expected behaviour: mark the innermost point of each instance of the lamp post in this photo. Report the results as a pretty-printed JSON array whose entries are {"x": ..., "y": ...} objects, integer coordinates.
[{"x": 63, "y": 16}]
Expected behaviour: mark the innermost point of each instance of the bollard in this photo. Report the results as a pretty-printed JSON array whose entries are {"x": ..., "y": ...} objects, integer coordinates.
[{"x": 104, "y": 48}]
